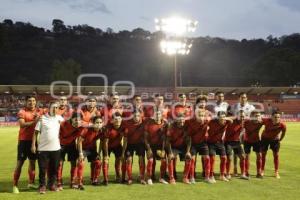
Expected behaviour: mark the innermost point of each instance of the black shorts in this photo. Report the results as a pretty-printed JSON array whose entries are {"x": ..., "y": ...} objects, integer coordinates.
[
  {"x": 154, "y": 149},
  {"x": 216, "y": 148},
  {"x": 90, "y": 154},
  {"x": 139, "y": 149},
  {"x": 256, "y": 147},
  {"x": 201, "y": 148},
  {"x": 236, "y": 147},
  {"x": 70, "y": 150},
  {"x": 24, "y": 151},
  {"x": 273, "y": 144},
  {"x": 116, "y": 150},
  {"x": 181, "y": 151}
]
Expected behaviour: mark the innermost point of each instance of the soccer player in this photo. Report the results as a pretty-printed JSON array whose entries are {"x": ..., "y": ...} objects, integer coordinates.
[
  {"x": 176, "y": 145},
  {"x": 87, "y": 148},
  {"x": 155, "y": 139},
  {"x": 220, "y": 105},
  {"x": 134, "y": 142},
  {"x": 216, "y": 134},
  {"x": 28, "y": 117},
  {"x": 251, "y": 139},
  {"x": 232, "y": 143},
  {"x": 137, "y": 106},
  {"x": 89, "y": 110},
  {"x": 70, "y": 130},
  {"x": 197, "y": 143},
  {"x": 182, "y": 107},
  {"x": 235, "y": 109},
  {"x": 64, "y": 109},
  {"x": 272, "y": 135},
  {"x": 48, "y": 147},
  {"x": 112, "y": 143},
  {"x": 113, "y": 106},
  {"x": 158, "y": 106}
]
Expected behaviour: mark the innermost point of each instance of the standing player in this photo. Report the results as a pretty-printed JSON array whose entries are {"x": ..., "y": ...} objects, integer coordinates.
[
  {"x": 197, "y": 143},
  {"x": 87, "y": 148},
  {"x": 113, "y": 106},
  {"x": 272, "y": 135},
  {"x": 216, "y": 134},
  {"x": 158, "y": 106},
  {"x": 155, "y": 138},
  {"x": 28, "y": 117},
  {"x": 176, "y": 145},
  {"x": 235, "y": 109},
  {"x": 232, "y": 143},
  {"x": 220, "y": 105},
  {"x": 64, "y": 109},
  {"x": 112, "y": 143},
  {"x": 89, "y": 110},
  {"x": 252, "y": 140},
  {"x": 70, "y": 130},
  {"x": 134, "y": 142}
]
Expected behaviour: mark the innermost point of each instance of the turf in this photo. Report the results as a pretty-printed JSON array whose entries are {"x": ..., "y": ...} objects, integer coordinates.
[{"x": 268, "y": 188}]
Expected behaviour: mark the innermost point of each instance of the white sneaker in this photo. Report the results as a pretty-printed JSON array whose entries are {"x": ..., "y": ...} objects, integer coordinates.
[
  {"x": 192, "y": 181},
  {"x": 223, "y": 178},
  {"x": 163, "y": 181},
  {"x": 149, "y": 181},
  {"x": 228, "y": 176},
  {"x": 212, "y": 179},
  {"x": 244, "y": 177}
]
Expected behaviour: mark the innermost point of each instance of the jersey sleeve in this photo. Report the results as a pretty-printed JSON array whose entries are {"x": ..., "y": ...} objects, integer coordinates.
[
  {"x": 21, "y": 114},
  {"x": 38, "y": 125}
]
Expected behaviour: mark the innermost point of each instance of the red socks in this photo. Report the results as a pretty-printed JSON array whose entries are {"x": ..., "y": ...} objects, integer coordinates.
[
  {"x": 192, "y": 169},
  {"x": 223, "y": 165},
  {"x": 170, "y": 168},
  {"x": 73, "y": 172},
  {"x": 163, "y": 168},
  {"x": 59, "y": 173},
  {"x": 80, "y": 172},
  {"x": 212, "y": 165},
  {"x": 149, "y": 167},
  {"x": 105, "y": 171},
  {"x": 16, "y": 177},
  {"x": 187, "y": 167},
  {"x": 207, "y": 166},
  {"x": 97, "y": 170},
  {"x": 228, "y": 163},
  {"x": 276, "y": 161}
]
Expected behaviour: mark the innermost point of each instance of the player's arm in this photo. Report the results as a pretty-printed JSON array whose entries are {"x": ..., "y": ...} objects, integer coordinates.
[
  {"x": 34, "y": 141},
  {"x": 24, "y": 124},
  {"x": 105, "y": 147},
  {"x": 147, "y": 145},
  {"x": 282, "y": 134},
  {"x": 124, "y": 147},
  {"x": 79, "y": 146}
]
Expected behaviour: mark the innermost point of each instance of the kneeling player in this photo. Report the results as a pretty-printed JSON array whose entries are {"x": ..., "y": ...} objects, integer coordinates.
[
  {"x": 272, "y": 135},
  {"x": 133, "y": 142},
  {"x": 232, "y": 143},
  {"x": 154, "y": 135},
  {"x": 176, "y": 145},
  {"x": 87, "y": 148}
]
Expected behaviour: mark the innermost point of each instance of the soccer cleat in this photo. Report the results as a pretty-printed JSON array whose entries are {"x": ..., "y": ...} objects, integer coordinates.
[
  {"x": 259, "y": 176},
  {"x": 223, "y": 178},
  {"x": 15, "y": 190},
  {"x": 163, "y": 181},
  {"x": 32, "y": 186},
  {"x": 212, "y": 179},
  {"x": 129, "y": 182},
  {"x": 53, "y": 188},
  {"x": 262, "y": 173},
  {"x": 42, "y": 190},
  {"x": 105, "y": 183},
  {"x": 186, "y": 181},
  {"x": 73, "y": 186},
  {"x": 143, "y": 182},
  {"x": 60, "y": 188},
  {"x": 95, "y": 183},
  {"x": 228, "y": 176},
  {"x": 172, "y": 181},
  {"x": 243, "y": 176},
  {"x": 149, "y": 181},
  {"x": 192, "y": 181},
  {"x": 80, "y": 187},
  {"x": 277, "y": 175}
]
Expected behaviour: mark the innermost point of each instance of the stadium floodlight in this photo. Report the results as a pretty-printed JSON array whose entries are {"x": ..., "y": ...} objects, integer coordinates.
[{"x": 175, "y": 25}]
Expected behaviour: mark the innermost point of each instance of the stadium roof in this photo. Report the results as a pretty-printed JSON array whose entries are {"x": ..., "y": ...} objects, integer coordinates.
[{"x": 98, "y": 90}]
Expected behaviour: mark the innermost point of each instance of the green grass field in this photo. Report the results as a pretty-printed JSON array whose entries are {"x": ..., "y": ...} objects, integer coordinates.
[{"x": 288, "y": 187}]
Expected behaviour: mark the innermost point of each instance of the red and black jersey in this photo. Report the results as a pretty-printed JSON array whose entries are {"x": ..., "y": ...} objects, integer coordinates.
[
  {"x": 26, "y": 133},
  {"x": 128, "y": 113},
  {"x": 272, "y": 131},
  {"x": 90, "y": 137},
  {"x": 197, "y": 131},
  {"x": 68, "y": 134},
  {"x": 110, "y": 110},
  {"x": 156, "y": 132},
  {"x": 150, "y": 110},
  {"x": 233, "y": 131},
  {"x": 176, "y": 135},
  {"x": 65, "y": 112},
  {"x": 216, "y": 131},
  {"x": 114, "y": 135},
  {"x": 87, "y": 115},
  {"x": 182, "y": 109},
  {"x": 252, "y": 129},
  {"x": 134, "y": 132}
]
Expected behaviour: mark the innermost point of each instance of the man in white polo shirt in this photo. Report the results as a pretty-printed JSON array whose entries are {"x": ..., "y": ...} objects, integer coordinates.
[
  {"x": 221, "y": 104},
  {"x": 48, "y": 147}
]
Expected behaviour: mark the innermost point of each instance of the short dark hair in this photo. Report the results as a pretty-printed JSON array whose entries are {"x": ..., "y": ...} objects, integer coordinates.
[
  {"x": 276, "y": 112},
  {"x": 242, "y": 93},
  {"x": 91, "y": 97},
  {"x": 76, "y": 115},
  {"x": 201, "y": 98},
  {"x": 181, "y": 95},
  {"x": 29, "y": 97},
  {"x": 221, "y": 113},
  {"x": 219, "y": 92},
  {"x": 116, "y": 114},
  {"x": 95, "y": 118}
]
